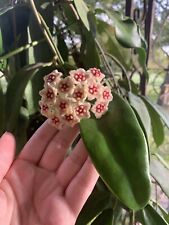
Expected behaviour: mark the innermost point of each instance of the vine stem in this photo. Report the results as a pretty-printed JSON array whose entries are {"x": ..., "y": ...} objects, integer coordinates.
[
  {"x": 107, "y": 65},
  {"x": 20, "y": 49},
  {"x": 43, "y": 26}
]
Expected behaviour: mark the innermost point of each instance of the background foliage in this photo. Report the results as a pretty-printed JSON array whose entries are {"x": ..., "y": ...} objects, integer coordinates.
[{"x": 37, "y": 37}]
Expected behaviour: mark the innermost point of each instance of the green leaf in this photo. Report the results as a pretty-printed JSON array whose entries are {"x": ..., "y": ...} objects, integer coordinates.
[
  {"x": 156, "y": 123},
  {"x": 20, "y": 131},
  {"x": 96, "y": 203},
  {"x": 119, "y": 151},
  {"x": 62, "y": 47},
  {"x": 14, "y": 95},
  {"x": 91, "y": 57},
  {"x": 138, "y": 104},
  {"x": 162, "y": 112},
  {"x": 126, "y": 30},
  {"x": 29, "y": 97},
  {"x": 149, "y": 216},
  {"x": 106, "y": 35},
  {"x": 160, "y": 173},
  {"x": 106, "y": 218},
  {"x": 127, "y": 33},
  {"x": 83, "y": 11},
  {"x": 142, "y": 56}
]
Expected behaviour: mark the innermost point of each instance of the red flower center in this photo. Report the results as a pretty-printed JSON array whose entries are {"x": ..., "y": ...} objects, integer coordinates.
[
  {"x": 81, "y": 110},
  {"x": 64, "y": 87},
  {"x": 79, "y": 76},
  {"x": 96, "y": 72},
  {"x": 106, "y": 94},
  {"x": 50, "y": 94},
  {"x": 45, "y": 108},
  {"x": 93, "y": 89},
  {"x": 100, "y": 108},
  {"x": 51, "y": 78},
  {"x": 55, "y": 120},
  {"x": 69, "y": 117},
  {"x": 78, "y": 94},
  {"x": 62, "y": 105}
]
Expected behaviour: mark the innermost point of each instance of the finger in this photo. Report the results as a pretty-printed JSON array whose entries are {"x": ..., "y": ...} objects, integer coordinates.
[
  {"x": 7, "y": 153},
  {"x": 81, "y": 186},
  {"x": 72, "y": 164},
  {"x": 57, "y": 148},
  {"x": 36, "y": 146}
]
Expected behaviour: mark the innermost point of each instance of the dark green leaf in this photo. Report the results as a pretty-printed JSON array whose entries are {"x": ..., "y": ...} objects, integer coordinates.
[
  {"x": 91, "y": 57},
  {"x": 142, "y": 56},
  {"x": 14, "y": 95},
  {"x": 20, "y": 131},
  {"x": 160, "y": 174},
  {"x": 156, "y": 123},
  {"x": 62, "y": 47},
  {"x": 118, "y": 149},
  {"x": 96, "y": 203},
  {"x": 149, "y": 216},
  {"x": 138, "y": 104},
  {"x": 105, "y": 218},
  {"x": 106, "y": 35},
  {"x": 162, "y": 112}
]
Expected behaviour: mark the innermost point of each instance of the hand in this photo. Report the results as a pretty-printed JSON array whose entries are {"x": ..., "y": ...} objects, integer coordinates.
[{"x": 42, "y": 186}]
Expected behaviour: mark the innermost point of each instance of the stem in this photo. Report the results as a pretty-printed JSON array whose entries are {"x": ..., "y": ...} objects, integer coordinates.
[
  {"x": 18, "y": 50},
  {"x": 46, "y": 32},
  {"x": 132, "y": 218},
  {"x": 51, "y": 39},
  {"x": 122, "y": 68},
  {"x": 107, "y": 64}
]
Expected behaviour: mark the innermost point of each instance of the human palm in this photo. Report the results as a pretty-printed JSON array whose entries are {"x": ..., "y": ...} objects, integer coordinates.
[{"x": 42, "y": 186}]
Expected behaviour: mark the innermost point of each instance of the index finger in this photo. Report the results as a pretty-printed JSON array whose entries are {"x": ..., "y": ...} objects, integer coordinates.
[{"x": 35, "y": 147}]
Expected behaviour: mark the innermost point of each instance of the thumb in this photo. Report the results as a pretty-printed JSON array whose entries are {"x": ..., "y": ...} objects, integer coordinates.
[{"x": 7, "y": 152}]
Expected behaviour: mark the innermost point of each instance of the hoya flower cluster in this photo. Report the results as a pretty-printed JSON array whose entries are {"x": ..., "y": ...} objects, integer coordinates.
[{"x": 67, "y": 100}]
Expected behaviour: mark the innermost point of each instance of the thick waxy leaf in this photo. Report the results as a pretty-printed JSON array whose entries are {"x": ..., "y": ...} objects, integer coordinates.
[
  {"x": 162, "y": 112},
  {"x": 105, "y": 218},
  {"x": 91, "y": 56},
  {"x": 83, "y": 11},
  {"x": 118, "y": 148},
  {"x": 14, "y": 95},
  {"x": 106, "y": 34},
  {"x": 142, "y": 57},
  {"x": 149, "y": 216},
  {"x": 138, "y": 104},
  {"x": 156, "y": 123},
  {"x": 160, "y": 174},
  {"x": 126, "y": 29},
  {"x": 96, "y": 203},
  {"x": 127, "y": 33},
  {"x": 20, "y": 131}
]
